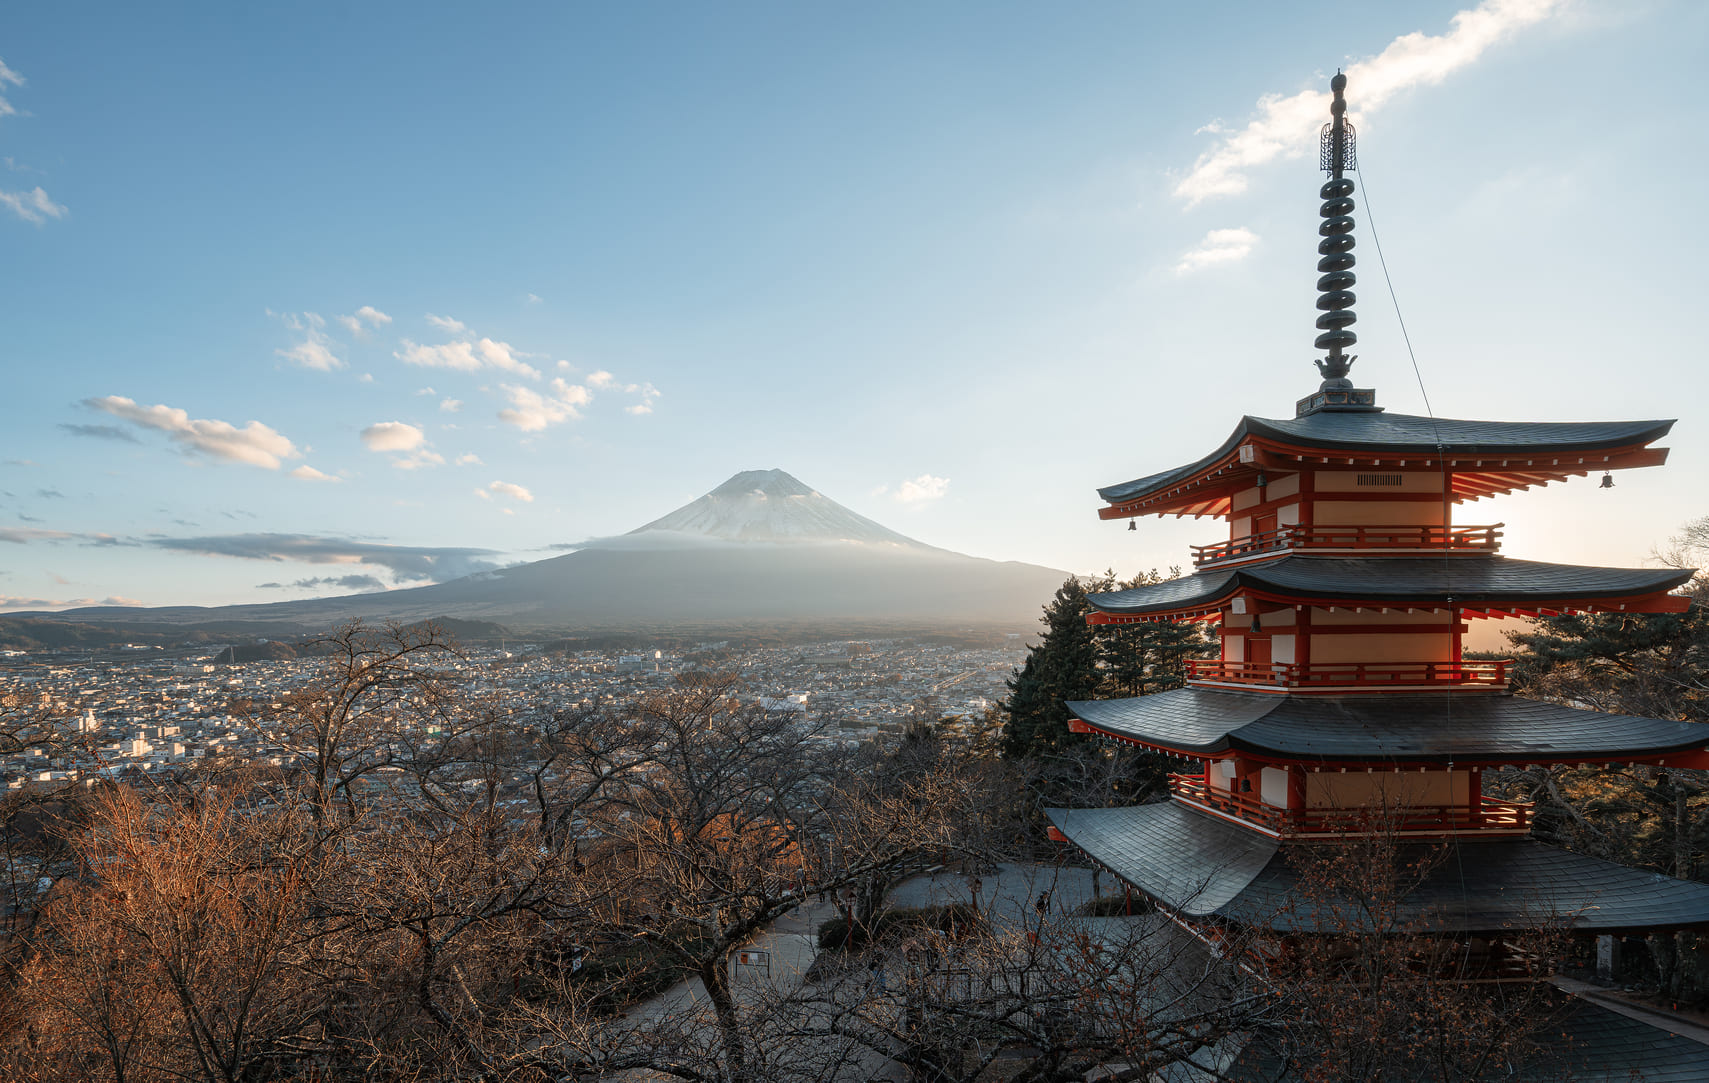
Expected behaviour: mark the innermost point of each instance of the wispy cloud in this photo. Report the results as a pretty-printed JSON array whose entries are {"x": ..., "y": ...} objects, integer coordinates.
[
  {"x": 1284, "y": 126},
  {"x": 12, "y": 602},
  {"x": 363, "y": 319},
  {"x": 448, "y": 325},
  {"x": 450, "y": 406},
  {"x": 405, "y": 563},
  {"x": 505, "y": 488},
  {"x": 34, "y": 206},
  {"x": 254, "y": 443},
  {"x": 921, "y": 490},
  {"x": 466, "y": 356},
  {"x": 605, "y": 381},
  {"x": 24, "y": 535},
  {"x": 531, "y": 411},
  {"x": 354, "y": 582},
  {"x": 8, "y": 77},
  {"x": 309, "y": 473},
  {"x": 101, "y": 432},
  {"x": 1218, "y": 246},
  {"x": 314, "y": 351}
]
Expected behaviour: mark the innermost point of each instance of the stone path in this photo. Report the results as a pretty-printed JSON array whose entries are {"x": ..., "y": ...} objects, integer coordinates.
[{"x": 1644, "y": 1013}]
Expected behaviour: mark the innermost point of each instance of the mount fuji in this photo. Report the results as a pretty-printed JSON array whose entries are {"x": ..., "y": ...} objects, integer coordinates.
[
  {"x": 761, "y": 548},
  {"x": 772, "y": 506}
]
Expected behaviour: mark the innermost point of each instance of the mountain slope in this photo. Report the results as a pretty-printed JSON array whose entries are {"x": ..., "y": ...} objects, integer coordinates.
[{"x": 762, "y": 547}]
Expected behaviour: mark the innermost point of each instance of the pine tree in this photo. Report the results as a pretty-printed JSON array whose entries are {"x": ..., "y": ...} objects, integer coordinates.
[
  {"x": 1062, "y": 666},
  {"x": 1141, "y": 659}
]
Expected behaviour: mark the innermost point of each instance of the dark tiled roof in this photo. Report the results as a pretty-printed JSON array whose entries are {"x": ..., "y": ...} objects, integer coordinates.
[
  {"x": 1195, "y": 864},
  {"x": 1203, "y": 866},
  {"x": 1469, "y": 580},
  {"x": 1407, "y": 434},
  {"x": 1580, "y": 1041},
  {"x": 1421, "y": 727}
]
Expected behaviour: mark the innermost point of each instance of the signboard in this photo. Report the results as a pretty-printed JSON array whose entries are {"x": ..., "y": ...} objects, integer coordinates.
[{"x": 759, "y": 960}]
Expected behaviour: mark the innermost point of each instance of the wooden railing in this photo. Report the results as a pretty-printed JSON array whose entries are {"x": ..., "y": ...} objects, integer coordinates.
[
  {"x": 1351, "y": 674},
  {"x": 1491, "y": 814},
  {"x": 1380, "y": 538}
]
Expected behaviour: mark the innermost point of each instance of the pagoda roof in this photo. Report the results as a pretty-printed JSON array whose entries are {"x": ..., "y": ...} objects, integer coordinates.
[
  {"x": 1423, "y": 727},
  {"x": 1204, "y": 867},
  {"x": 1512, "y": 448},
  {"x": 1474, "y": 580},
  {"x": 1580, "y": 1040}
]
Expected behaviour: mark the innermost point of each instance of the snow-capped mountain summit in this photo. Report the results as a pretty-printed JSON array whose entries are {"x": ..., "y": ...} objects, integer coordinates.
[{"x": 773, "y": 506}]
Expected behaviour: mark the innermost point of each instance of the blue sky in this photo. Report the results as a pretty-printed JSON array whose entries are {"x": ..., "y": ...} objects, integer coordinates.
[{"x": 333, "y": 296}]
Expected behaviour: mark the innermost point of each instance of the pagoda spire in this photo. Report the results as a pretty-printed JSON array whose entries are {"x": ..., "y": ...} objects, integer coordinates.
[{"x": 1335, "y": 295}]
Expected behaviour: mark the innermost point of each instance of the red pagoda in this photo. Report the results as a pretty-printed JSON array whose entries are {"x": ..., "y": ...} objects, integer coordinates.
[{"x": 1342, "y": 595}]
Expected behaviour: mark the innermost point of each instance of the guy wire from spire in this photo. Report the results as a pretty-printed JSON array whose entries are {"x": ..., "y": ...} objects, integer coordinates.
[{"x": 1447, "y": 497}]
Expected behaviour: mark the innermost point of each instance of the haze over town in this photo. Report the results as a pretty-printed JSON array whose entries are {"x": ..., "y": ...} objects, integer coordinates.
[{"x": 364, "y": 298}]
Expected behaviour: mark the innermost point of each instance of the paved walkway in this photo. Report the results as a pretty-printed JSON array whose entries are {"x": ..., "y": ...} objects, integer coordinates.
[
  {"x": 1009, "y": 894},
  {"x": 1657, "y": 1017}
]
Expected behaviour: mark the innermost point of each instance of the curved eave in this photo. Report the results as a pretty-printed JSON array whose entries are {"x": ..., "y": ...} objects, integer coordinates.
[
  {"x": 1484, "y": 458},
  {"x": 1489, "y": 584},
  {"x": 1201, "y": 867},
  {"x": 1389, "y": 730}
]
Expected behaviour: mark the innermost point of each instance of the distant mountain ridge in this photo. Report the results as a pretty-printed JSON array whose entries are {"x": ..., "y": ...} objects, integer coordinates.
[{"x": 761, "y": 548}]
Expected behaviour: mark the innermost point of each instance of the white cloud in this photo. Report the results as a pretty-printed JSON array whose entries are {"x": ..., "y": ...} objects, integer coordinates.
[
  {"x": 363, "y": 319},
  {"x": 648, "y": 394},
  {"x": 419, "y": 458},
  {"x": 499, "y": 355},
  {"x": 1219, "y": 246},
  {"x": 7, "y": 75},
  {"x": 309, "y": 473},
  {"x": 392, "y": 436},
  {"x": 365, "y": 378},
  {"x": 466, "y": 356},
  {"x": 448, "y": 325},
  {"x": 605, "y": 381},
  {"x": 32, "y": 206},
  {"x": 452, "y": 355},
  {"x": 1284, "y": 127},
  {"x": 531, "y": 411},
  {"x": 471, "y": 459},
  {"x": 532, "y": 298},
  {"x": 515, "y": 492},
  {"x": 919, "y": 490},
  {"x": 451, "y": 406},
  {"x": 255, "y": 443},
  {"x": 315, "y": 349}
]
